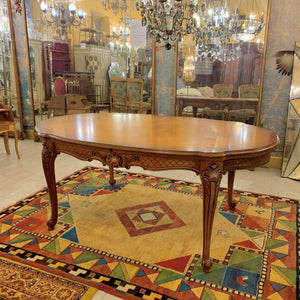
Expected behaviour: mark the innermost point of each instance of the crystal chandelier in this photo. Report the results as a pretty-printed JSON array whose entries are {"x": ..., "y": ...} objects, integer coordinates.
[
  {"x": 168, "y": 20},
  {"x": 212, "y": 25},
  {"x": 115, "y": 5},
  {"x": 245, "y": 27},
  {"x": 62, "y": 15}
]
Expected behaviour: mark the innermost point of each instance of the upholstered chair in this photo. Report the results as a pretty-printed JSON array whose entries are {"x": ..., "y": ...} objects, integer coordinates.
[
  {"x": 222, "y": 90},
  {"x": 135, "y": 89},
  {"x": 118, "y": 94},
  {"x": 248, "y": 91},
  {"x": 246, "y": 115}
]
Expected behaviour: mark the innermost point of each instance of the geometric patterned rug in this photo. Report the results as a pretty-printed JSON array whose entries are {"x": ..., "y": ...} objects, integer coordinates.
[{"x": 142, "y": 239}]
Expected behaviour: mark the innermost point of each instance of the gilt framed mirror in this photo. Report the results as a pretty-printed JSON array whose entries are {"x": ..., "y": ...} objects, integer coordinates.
[{"x": 220, "y": 71}]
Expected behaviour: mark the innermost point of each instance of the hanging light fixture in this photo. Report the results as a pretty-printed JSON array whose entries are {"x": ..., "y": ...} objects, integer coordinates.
[
  {"x": 115, "y": 5},
  {"x": 168, "y": 20},
  {"x": 212, "y": 30},
  {"x": 245, "y": 27},
  {"x": 62, "y": 15}
]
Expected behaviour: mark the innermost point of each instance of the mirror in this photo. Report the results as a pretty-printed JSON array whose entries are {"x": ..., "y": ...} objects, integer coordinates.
[
  {"x": 221, "y": 78},
  {"x": 8, "y": 93},
  {"x": 291, "y": 155},
  {"x": 86, "y": 50}
]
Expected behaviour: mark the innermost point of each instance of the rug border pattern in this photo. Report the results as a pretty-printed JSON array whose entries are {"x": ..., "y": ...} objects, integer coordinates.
[{"x": 121, "y": 285}]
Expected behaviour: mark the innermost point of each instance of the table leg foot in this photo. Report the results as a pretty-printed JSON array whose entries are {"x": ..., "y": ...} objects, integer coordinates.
[
  {"x": 51, "y": 224},
  {"x": 206, "y": 264}
]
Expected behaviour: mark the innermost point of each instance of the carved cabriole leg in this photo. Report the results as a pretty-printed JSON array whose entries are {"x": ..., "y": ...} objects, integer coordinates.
[
  {"x": 114, "y": 161},
  {"x": 48, "y": 158},
  {"x": 231, "y": 203},
  {"x": 6, "y": 143},
  {"x": 211, "y": 176},
  {"x": 112, "y": 181}
]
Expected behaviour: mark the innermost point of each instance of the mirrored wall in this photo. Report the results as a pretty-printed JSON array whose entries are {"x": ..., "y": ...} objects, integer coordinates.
[
  {"x": 220, "y": 75},
  {"x": 291, "y": 156},
  {"x": 8, "y": 95},
  {"x": 86, "y": 45}
]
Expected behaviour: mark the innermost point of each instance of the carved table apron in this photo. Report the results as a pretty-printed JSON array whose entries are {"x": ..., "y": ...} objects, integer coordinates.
[{"x": 208, "y": 147}]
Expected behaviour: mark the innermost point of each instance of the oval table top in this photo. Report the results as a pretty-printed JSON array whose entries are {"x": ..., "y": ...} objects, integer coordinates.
[{"x": 160, "y": 134}]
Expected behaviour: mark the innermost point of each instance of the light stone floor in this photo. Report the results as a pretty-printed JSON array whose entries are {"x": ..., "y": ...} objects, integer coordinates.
[{"x": 20, "y": 178}]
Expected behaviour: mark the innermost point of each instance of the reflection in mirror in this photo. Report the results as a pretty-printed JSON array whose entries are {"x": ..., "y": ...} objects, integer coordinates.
[
  {"x": 80, "y": 44},
  {"x": 8, "y": 94},
  {"x": 291, "y": 156},
  {"x": 224, "y": 57}
]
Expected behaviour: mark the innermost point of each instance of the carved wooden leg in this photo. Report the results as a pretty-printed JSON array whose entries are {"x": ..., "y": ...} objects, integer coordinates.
[
  {"x": 6, "y": 143},
  {"x": 16, "y": 143},
  {"x": 48, "y": 159},
  {"x": 210, "y": 178},
  {"x": 231, "y": 203},
  {"x": 112, "y": 181},
  {"x": 180, "y": 108},
  {"x": 195, "y": 110}
]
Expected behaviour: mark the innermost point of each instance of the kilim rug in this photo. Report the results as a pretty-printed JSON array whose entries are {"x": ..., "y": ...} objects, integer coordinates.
[{"x": 142, "y": 239}]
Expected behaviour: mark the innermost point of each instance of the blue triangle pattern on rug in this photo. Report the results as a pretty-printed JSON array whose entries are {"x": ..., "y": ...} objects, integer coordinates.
[
  {"x": 71, "y": 235},
  {"x": 277, "y": 287},
  {"x": 282, "y": 232},
  {"x": 140, "y": 273},
  {"x": 184, "y": 287},
  {"x": 66, "y": 251},
  {"x": 102, "y": 261},
  {"x": 230, "y": 217},
  {"x": 279, "y": 255},
  {"x": 64, "y": 204}
]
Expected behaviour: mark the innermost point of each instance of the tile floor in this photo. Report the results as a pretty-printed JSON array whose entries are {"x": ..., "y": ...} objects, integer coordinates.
[{"x": 20, "y": 178}]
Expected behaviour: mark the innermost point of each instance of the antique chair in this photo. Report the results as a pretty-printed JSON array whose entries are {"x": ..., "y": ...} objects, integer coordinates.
[
  {"x": 60, "y": 87},
  {"x": 77, "y": 104},
  {"x": 56, "y": 104},
  {"x": 245, "y": 115},
  {"x": 248, "y": 91},
  {"x": 8, "y": 124},
  {"x": 222, "y": 90},
  {"x": 135, "y": 95},
  {"x": 118, "y": 94}
]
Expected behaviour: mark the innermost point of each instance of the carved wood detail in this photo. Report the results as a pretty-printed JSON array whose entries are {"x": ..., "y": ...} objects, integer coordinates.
[
  {"x": 49, "y": 155},
  {"x": 248, "y": 162},
  {"x": 211, "y": 178},
  {"x": 121, "y": 159}
]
